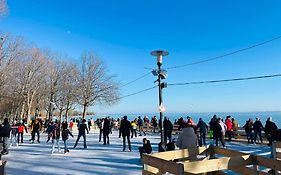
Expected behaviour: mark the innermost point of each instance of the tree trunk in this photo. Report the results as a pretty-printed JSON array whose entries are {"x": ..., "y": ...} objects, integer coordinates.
[
  {"x": 22, "y": 110},
  {"x": 84, "y": 110},
  {"x": 66, "y": 114}
]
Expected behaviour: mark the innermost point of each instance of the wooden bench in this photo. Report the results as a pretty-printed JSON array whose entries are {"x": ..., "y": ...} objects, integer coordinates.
[{"x": 203, "y": 160}]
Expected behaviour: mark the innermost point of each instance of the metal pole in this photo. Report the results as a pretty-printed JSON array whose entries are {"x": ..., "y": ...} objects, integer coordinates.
[{"x": 160, "y": 102}]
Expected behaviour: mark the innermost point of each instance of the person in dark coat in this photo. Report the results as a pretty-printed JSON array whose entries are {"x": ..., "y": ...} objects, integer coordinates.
[
  {"x": 140, "y": 125},
  {"x": 168, "y": 128},
  {"x": 106, "y": 131},
  {"x": 82, "y": 132},
  {"x": 125, "y": 130},
  {"x": 257, "y": 130},
  {"x": 55, "y": 137},
  {"x": 65, "y": 135},
  {"x": 269, "y": 128},
  {"x": 5, "y": 134},
  {"x": 154, "y": 123},
  {"x": 146, "y": 148},
  {"x": 203, "y": 128},
  {"x": 35, "y": 129},
  {"x": 249, "y": 127},
  {"x": 100, "y": 123},
  {"x": 218, "y": 132},
  {"x": 89, "y": 124},
  {"x": 49, "y": 130}
]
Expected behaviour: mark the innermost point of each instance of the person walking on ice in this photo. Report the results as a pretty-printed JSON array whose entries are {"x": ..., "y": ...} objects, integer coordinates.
[{"x": 82, "y": 132}]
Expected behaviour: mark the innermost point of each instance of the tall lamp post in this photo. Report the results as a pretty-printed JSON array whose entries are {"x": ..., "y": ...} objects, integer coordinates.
[{"x": 161, "y": 74}]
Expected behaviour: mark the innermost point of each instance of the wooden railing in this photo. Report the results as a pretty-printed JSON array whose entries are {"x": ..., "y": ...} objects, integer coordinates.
[
  {"x": 240, "y": 136},
  {"x": 276, "y": 150},
  {"x": 203, "y": 160}
]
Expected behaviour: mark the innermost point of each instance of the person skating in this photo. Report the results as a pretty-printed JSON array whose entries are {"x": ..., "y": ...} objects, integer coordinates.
[
  {"x": 5, "y": 134},
  {"x": 269, "y": 129},
  {"x": 125, "y": 130},
  {"x": 168, "y": 128},
  {"x": 257, "y": 130},
  {"x": 134, "y": 129},
  {"x": 89, "y": 124},
  {"x": 49, "y": 131},
  {"x": 229, "y": 127},
  {"x": 14, "y": 132},
  {"x": 249, "y": 127},
  {"x": 35, "y": 129},
  {"x": 106, "y": 131},
  {"x": 140, "y": 125},
  {"x": 218, "y": 132},
  {"x": 21, "y": 129},
  {"x": 203, "y": 128},
  {"x": 55, "y": 137},
  {"x": 65, "y": 135},
  {"x": 154, "y": 123},
  {"x": 82, "y": 132}
]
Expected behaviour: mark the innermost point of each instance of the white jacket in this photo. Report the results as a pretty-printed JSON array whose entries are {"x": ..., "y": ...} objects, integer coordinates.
[{"x": 187, "y": 139}]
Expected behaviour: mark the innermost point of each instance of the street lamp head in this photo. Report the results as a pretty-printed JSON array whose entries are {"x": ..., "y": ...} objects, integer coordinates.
[{"x": 159, "y": 54}]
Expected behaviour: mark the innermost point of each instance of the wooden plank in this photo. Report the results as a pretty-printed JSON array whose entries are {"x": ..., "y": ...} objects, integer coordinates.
[
  {"x": 145, "y": 172},
  {"x": 269, "y": 163},
  {"x": 278, "y": 155},
  {"x": 227, "y": 152},
  {"x": 278, "y": 144},
  {"x": 179, "y": 154},
  {"x": 247, "y": 171},
  {"x": 163, "y": 165},
  {"x": 150, "y": 169},
  {"x": 217, "y": 164},
  {"x": 220, "y": 173}
]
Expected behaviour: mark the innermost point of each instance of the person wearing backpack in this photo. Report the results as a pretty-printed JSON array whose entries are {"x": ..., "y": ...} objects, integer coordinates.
[{"x": 65, "y": 135}]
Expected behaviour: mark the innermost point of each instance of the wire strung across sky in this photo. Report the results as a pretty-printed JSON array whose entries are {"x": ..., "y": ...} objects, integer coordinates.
[
  {"x": 130, "y": 82},
  {"x": 225, "y": 80},
  {"x": 135, "y": 93},
  {"x": 227, "y": 54},
  {"x": 203, "y": 82},
  {"x": 207, "y": 60}
]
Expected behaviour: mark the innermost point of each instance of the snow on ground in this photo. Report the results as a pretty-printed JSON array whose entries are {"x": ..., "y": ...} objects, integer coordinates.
[{"x": 31, "y": 159}]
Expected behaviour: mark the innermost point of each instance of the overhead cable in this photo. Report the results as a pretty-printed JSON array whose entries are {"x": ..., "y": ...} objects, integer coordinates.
[
  {"x": 130, "y": 82},
  {"x": 225, "y": 80},
  {"x": 227, "y": 54}
]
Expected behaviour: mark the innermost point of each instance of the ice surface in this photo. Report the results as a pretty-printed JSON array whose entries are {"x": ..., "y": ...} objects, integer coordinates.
[{"x": 33, "y": 159}]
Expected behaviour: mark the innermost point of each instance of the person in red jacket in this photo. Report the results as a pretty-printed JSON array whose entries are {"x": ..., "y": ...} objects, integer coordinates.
[
  {"x": 229, "y": 127},
  {"x": 21, "y": 128}
]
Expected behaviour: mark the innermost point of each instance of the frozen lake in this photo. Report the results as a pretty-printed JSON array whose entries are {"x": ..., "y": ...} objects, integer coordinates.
[{"x": 31, "y": 159}]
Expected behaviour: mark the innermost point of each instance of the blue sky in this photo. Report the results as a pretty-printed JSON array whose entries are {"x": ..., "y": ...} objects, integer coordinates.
[{"x": 123, "y": 33}]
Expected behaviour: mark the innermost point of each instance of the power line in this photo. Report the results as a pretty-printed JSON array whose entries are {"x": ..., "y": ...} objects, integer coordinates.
[
  {"x": 225, "y": 80},
  {"x": 135, "y": 93},
  {"x": 227, "y": 54},
  {"x": 130, "y": 82}
]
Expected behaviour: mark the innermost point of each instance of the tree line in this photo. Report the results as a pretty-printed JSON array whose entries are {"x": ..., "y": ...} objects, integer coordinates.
[{"x": 34, "y": 80}]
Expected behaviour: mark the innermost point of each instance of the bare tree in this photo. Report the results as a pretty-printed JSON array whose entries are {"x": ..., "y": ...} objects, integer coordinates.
[
  {"x": 29, "y": 78},
  {"x": 68, "y": 88},
  {"x": 3, "y": 7},
  {"x": 95, "y": 86}
]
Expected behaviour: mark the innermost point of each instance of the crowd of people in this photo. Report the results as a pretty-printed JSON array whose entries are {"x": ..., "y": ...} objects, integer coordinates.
[{"x": 191, "y": 134}]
